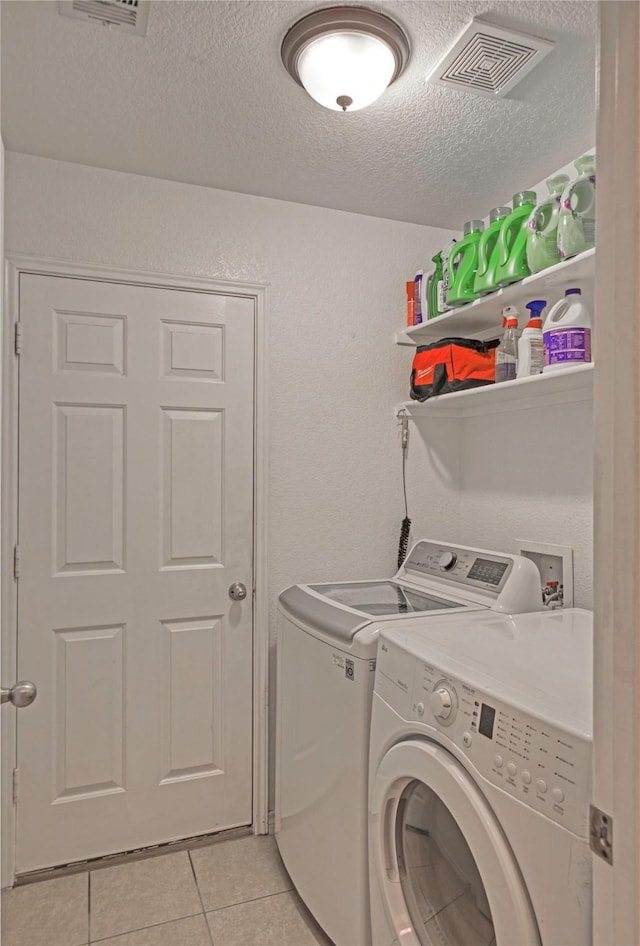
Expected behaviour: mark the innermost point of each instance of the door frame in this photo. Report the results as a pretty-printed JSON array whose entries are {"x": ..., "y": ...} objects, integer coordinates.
[
  {"x": 15, "y": 266},
  {"x": 616, "y": 708}
]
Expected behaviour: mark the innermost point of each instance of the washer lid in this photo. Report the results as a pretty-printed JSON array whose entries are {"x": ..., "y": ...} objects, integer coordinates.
[
  {"x": 341, "y": 609},
  {"x": 377, "y": 598}
]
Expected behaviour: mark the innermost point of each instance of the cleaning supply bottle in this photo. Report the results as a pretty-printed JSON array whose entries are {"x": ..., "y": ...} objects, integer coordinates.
[
  {"x": 507, "y": 353},
  {"x": 463, "y": 263},
  {"x": 577, "y": 219},
  {"x": 424, "y": 295},
  {"x": 410, "y": 303},
  {"x": 485, "y": 278},
  {"x": 435, "y": 287},
  {"x": 443, "y": 305},
  {"x": 417, "y": 298},
  {"x": 509, "y": 312},
  {"x": 530, "y": 353},
  {"x": 542, "y": 227},
  {"x": 566, "y": 333},
  {"x": 512, "y": 242}
]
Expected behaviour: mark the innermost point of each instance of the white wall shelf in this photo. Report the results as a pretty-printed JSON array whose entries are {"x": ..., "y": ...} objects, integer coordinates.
[
  {"x": 564, "y": 385},
  {"x": 483, "y": 316}
]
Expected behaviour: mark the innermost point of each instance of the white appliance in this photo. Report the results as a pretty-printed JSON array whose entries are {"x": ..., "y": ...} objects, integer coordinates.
[
  {"x": 327, "y": 635},
  {"x": 480, "y": 774}
]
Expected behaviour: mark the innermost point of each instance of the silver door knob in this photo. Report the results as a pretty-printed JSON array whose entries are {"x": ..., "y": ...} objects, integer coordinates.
[
  {"x": 237, "y": 591},
  {"x": 20, "y": 694}
]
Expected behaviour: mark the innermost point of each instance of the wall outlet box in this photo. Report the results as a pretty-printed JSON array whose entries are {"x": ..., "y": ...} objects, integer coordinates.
[{"x": 555, "y": 564}]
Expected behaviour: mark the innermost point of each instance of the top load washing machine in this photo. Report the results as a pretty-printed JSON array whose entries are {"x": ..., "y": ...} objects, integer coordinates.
[
  {"x": 327, "y": 635},
  {"x": 480, "y": 775}
]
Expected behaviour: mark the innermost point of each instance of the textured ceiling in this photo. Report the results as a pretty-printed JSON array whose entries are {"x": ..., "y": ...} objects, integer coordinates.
[{"x": 204, "y": 99}]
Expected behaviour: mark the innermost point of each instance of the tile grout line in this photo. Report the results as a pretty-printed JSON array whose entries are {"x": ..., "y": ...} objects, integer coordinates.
[
  {"x": 241, "y": 903},
  {"x": 140, "y": 929},
  {"x": 204, "y": 912}
]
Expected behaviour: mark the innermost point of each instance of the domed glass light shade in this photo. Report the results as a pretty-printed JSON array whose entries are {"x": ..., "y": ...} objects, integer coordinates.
[{"x": 345, "y": 57}]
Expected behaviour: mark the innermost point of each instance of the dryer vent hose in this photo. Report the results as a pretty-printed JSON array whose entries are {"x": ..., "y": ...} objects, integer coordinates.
[{"x": 405, "y": 528}]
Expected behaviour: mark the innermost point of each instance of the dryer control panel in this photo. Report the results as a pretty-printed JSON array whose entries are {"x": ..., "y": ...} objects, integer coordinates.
[{"x": 543, "y": 766}]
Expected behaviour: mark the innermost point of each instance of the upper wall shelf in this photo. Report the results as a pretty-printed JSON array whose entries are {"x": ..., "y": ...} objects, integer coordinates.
[{"x": 483, "y": 316}]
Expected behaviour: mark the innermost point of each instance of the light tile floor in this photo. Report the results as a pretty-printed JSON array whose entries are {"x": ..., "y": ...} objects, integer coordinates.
[{"x": 233, "y": 892}]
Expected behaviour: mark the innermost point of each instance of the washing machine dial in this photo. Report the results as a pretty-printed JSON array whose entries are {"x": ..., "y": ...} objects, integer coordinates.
[
  {"x": 447, "y": 561},
  {"x": 441, "y": 702}
]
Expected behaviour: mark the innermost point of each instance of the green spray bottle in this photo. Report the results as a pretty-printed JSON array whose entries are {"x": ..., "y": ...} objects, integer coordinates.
[
  {"x": 485, "y": 278},
  {"x": 463, "y": 263},
  {"x": 512, "y": 242},
  {"x": 439, "y": 284},
  {"x": 435, "y": 284}
]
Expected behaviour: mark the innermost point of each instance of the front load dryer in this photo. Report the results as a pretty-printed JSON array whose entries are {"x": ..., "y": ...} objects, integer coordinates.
[
  {"x": 480, "y": 773},
  {"x": 327, "y": 636}
]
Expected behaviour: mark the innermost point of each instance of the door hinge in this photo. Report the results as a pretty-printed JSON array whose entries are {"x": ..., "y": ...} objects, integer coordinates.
[
  {"x": 18, "y": 339},
  {"x": 601, "y": 834},
  {"x": 15, "y": 786},
  {"x": 16, "y": 562}
]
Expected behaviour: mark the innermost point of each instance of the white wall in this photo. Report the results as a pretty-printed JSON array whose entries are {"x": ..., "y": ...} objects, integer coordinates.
[
  {"x": 337, "y": 297},
  {"x": 527, "y": 474},
  {"x": 491, "y": 480}
]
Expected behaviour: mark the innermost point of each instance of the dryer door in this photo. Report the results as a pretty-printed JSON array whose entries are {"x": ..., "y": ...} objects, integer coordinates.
[{"x": 442, "y": 871}]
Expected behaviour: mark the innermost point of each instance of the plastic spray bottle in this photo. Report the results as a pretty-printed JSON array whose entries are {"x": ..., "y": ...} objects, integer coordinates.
[
  {"x": 507, "y": 352},
  {"x": 530, "y": 349}
]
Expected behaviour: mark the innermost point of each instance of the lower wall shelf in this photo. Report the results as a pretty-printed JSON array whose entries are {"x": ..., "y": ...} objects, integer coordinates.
[{"x": 562, "y": 386}]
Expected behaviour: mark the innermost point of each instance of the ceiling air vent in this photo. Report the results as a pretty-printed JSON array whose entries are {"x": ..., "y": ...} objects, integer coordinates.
[
  {"x": 127, "y": 16},
  {"x": 489, "y": 60}
]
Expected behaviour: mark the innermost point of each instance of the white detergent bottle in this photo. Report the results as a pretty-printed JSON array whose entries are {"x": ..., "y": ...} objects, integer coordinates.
[
  {"x": 566, "y": 333},
  {"x": 530, "y": 349}
]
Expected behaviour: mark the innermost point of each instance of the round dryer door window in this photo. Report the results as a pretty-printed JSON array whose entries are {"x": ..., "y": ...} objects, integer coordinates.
[
  {"x": 440, "y": 880},
  {"x": 442, "y": 871}
]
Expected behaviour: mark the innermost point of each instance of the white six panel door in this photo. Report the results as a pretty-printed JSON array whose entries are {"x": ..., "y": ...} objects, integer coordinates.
[{"x": 135, "y": 517}]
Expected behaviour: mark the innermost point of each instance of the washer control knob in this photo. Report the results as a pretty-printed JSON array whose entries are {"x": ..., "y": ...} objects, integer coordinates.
[
  {"x": 497, "y": 761},
  {"x": 441, "y": 703},
  {"x": 420, "y": 709},
  {"x": 558, "y": 795},
  {"x": 511, "y": 769},
  {"x": 466, "y": 739},
  {"x": 541, "y": 786},
  {"x": 526, "y": 777},
  {"x": 447, "y": 560}
]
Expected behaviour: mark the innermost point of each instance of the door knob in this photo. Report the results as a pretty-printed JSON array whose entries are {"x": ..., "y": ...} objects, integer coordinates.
[
  {"x": 237, "y": 591},
  {"x": 20, "y": 694}
]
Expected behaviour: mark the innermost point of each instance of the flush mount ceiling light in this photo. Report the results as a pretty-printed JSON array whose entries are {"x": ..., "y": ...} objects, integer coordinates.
[{"x": 345, "y": 57}]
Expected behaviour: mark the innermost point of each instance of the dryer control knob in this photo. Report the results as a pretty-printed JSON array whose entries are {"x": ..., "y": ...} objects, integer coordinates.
[
  {"x": 447, "y": 560},
  {"x": 441, "y": 703}
]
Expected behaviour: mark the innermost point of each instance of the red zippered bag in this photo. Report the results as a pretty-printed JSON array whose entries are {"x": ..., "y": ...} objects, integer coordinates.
[{"x": 452, "y": 364}]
